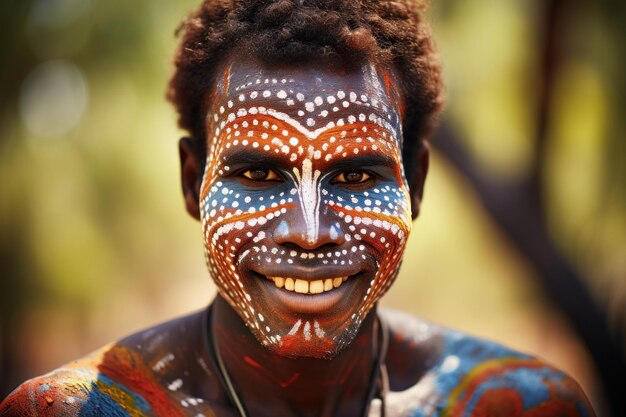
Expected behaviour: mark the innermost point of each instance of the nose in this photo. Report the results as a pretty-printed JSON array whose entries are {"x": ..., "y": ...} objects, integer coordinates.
[{"x": 293, "y": 231}]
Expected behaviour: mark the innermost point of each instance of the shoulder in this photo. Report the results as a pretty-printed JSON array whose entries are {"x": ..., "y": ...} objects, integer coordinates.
[
  {"x": 63, "y": 392},
  {"x": 469, "y": 376},
  {"x": 141, "y": 374}
]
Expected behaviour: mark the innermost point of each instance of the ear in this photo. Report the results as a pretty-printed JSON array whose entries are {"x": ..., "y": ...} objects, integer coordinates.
[
  {"x": 191, "y": 175},
  {"x": 416, "y": 178}
]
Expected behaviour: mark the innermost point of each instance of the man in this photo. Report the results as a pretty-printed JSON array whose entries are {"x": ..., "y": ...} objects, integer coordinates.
[{"x": 305, "y": 166}]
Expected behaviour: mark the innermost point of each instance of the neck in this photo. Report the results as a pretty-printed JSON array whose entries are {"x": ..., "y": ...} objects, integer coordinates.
[{"x": 269, "y": 384}]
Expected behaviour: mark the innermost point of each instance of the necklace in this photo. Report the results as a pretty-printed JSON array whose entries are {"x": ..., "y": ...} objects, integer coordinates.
[{"x": 379, "y": 380}]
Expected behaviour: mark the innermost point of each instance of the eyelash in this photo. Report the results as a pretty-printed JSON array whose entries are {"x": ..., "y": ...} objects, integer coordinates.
[
  {"x": 366, "y": 177},
  {"x": 247, "y": 175},
  {"x": 270, "y": 173}
]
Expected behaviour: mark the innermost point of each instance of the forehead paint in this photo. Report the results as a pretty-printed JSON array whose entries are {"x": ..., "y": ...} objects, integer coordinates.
[
  {"x": 392, "y": 90},
  {"x": 304, "y": 127}
]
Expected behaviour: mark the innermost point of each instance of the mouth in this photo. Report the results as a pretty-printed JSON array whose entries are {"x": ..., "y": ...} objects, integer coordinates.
[
  {"x": 295, "y": 295},
  {"x": 302, "y": 286}
]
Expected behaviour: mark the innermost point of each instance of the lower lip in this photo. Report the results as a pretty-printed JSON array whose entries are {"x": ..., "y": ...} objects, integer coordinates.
[{"x": 309, "y": 303}]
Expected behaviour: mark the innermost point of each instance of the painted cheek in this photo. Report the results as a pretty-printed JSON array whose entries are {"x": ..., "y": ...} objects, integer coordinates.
[
  {"x": 233, "y": 222},
  {"x": 379, "y": 220}
]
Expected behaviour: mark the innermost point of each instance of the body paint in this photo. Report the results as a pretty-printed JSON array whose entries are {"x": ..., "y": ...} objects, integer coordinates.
[{"x": 165, "y": 371}]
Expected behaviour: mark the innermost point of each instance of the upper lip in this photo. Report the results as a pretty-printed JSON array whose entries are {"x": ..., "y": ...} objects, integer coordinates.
[{"x": 305, "y": 273}]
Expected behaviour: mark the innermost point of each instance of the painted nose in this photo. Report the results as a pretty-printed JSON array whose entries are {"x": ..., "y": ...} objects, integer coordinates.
[{"x": 295, "y": 233}]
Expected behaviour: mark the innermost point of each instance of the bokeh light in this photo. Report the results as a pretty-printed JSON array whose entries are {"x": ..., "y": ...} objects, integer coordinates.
[{"x": 53, "y": 98}]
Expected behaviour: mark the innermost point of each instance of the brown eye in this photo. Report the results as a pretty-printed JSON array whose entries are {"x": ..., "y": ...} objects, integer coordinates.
[
  {"x": 260, "y": 174},
  {"x": 352, "y": 177}
]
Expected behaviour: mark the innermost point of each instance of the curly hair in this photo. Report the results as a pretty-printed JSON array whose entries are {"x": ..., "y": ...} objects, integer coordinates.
[{"x": 301, "y": 31}]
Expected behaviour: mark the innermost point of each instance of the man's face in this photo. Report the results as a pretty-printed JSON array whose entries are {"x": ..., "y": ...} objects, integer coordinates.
[{"x": 304, "y": 205}]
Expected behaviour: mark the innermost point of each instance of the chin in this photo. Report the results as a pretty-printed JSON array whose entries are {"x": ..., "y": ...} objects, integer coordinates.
[
  {"x": 307, "y": 336},
  {"x": 294, "y": 346}
]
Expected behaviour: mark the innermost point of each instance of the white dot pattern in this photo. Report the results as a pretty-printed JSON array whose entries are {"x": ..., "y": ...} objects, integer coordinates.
[{"x": 312, "y": 132}]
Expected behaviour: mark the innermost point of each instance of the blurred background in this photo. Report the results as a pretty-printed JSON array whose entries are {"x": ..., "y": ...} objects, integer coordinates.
[{"x": 521, "y": 237}]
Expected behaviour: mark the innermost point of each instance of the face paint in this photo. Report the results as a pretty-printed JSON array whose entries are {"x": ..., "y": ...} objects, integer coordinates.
[{"x": 304, "y": 206}]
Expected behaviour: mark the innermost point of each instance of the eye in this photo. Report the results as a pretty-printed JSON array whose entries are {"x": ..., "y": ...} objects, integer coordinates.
[
  {"x": 260, "y": 174},
  {"x": 352, "y": 177}
]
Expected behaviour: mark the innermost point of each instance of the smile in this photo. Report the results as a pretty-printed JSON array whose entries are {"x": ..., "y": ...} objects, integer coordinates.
[
  {"x": 310, "y": 290},
  {"x": 302, "y": 286}
]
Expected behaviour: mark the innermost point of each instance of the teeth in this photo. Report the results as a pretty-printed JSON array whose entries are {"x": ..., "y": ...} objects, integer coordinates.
[
  {"x": 302, "y": 286},
  {"x": 316, "y": 287}
]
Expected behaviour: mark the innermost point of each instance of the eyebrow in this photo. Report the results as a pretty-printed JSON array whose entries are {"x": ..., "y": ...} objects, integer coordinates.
[
  {"x": 366, "y": 159},
  {"x": 252, "y": 156}
]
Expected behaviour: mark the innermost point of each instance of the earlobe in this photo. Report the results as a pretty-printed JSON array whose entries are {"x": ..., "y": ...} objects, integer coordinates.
[
  {"x": 417, "y": 179},
  {"x": 191, "y": 175}
]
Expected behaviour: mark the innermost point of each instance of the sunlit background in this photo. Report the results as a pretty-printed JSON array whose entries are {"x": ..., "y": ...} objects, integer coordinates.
[{"x": 95, "y": 242}]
